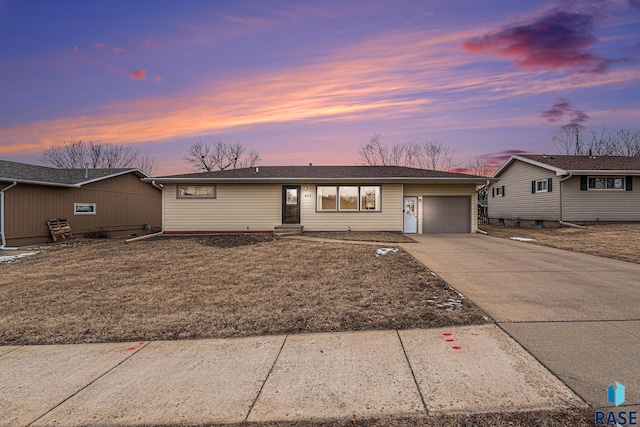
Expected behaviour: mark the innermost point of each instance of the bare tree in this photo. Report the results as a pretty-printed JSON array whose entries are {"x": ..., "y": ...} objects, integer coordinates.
[
  {"x": 203, "y": 156},
  {"x": 426, "y": 155},
  {"x": 571, "y": 139},
  {"x": 568, "y": 139},
  {"x": 478, "y": 166},
  {"x": 77, "y": 154}
]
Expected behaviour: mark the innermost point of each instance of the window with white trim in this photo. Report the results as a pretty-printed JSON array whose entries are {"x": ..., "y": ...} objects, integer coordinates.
[
  {"x": 196, "y": 192},
  {"x": 84, "y": 208},
  {"x": 541, "y": 186},
  {"x": 606, "y": 183}
]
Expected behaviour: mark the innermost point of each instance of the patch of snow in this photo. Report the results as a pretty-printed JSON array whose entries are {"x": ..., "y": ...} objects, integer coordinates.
[
  {"x": 10, "y": 258},
  {"x": 450, "y": 304},
  {"x": 523, "y": 239},
  {"x": 384, "y": 251}
]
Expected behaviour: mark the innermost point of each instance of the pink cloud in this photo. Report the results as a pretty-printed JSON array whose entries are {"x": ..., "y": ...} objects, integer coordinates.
[
  {"x": 556, "y": 41},
  {"x": 158, "y": 79},
  {"x": 147, "y": 43},
  {"x": 137, "y": 74}
]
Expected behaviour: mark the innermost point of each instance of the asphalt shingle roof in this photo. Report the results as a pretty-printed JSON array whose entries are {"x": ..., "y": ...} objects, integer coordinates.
[
  {"x": 324, "y": 172},
  {"x": 587, "y": 163},
  {"x": 14, "y": 171}
]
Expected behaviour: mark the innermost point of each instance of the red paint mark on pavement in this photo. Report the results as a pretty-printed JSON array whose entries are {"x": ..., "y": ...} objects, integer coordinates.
[
  {"x": 450, "y": 340},
  {"x": 447, "y": 334},
  {"x": 456, "y": 347}
]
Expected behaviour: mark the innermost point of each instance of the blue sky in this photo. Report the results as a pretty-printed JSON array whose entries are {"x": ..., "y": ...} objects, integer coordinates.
[{"x": 310, "y": 81}]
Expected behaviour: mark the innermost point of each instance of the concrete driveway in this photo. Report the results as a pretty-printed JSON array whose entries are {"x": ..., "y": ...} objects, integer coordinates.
[{"x": 578, "y": 314}]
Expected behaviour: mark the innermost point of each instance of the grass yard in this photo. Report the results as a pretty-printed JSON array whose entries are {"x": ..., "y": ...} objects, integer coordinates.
[
  {"x": 217, "y": 286},
  {"x": 618, "y": 241}
]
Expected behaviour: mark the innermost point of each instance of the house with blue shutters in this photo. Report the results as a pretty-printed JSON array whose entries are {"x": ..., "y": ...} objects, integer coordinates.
[{"x": 554, "y": 189}]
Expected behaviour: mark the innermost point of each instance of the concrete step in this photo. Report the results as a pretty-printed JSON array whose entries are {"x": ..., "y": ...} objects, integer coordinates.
[{"x": 287, "y": 230}]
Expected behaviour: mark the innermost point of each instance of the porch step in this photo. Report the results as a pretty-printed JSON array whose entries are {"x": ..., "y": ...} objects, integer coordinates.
[{"x": 287, "y": 230}]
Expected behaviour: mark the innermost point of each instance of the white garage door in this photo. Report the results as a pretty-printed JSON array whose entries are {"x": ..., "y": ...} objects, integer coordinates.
[{"x": 443, "y": 214}]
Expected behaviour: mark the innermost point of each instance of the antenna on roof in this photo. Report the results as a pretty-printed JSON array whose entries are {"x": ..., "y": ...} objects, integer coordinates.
[{"x": 310, "y": 164}]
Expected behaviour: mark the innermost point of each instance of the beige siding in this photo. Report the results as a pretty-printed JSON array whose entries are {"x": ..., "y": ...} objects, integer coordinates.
[
  {"x": 388, "y": 219},
  {"x": 237, "y": 207},
  {"x": 518, "y": 200},
  {"x": 418, "y": 190},
  {"x": 600, "y": 205},
  {"x": 258, "y": 207}
]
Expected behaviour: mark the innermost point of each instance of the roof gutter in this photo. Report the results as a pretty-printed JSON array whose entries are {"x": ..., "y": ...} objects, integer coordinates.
[
  {"x": 3, "y": 245},
  {"x": 381, "y": 180}
]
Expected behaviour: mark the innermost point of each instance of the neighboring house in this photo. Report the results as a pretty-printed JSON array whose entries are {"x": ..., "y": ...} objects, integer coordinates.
[
  {"x": 106, "y": 201},
  {"x": 538, "y": 189},
  {"x": 320, "y": 198}
]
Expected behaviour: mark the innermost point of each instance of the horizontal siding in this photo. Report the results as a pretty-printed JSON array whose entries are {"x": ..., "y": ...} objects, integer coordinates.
[
  {"x": 388, "y": 219},
  {"x": 122, "y": 203},
  {"x": 518, "y": 200},
  {"x": 237, "y": 207},
  {"x": 602, "y": 205},
  {"x": 444, "y": 190},
  {"x": 258, "y": 207}
]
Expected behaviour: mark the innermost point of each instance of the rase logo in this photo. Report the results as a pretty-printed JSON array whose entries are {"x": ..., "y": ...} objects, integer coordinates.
[{"x": 615, "y": 396}]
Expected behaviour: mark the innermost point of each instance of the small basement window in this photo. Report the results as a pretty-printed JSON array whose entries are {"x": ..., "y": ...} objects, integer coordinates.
[
  {"x": 84, "y": 208},
  {"x": 196, "y": 192}
]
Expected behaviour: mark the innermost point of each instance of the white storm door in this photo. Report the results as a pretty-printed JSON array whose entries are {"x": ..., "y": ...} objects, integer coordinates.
[{"x": 410, "y": 210}]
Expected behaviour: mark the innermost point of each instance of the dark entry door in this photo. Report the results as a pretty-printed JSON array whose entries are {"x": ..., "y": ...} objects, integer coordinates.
[{"x": 290, "y": 204}]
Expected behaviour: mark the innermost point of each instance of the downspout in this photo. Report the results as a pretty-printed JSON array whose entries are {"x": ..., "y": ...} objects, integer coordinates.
[
  {"x": 566, "y": 224},
  {"x": 3, "y": 246}
]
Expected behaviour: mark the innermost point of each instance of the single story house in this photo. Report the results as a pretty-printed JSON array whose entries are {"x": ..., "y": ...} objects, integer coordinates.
[
  {"x": 320, "y": 198},
  {"x": 107, "y": 201},
  {"x": 541, "y": 189}
]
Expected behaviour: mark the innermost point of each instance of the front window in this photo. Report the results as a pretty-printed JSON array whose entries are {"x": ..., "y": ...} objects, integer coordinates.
[
  {"x": 327, "y": 198},
  {"x": 370, "y": 198},
  {"x": 348, "y": 198},
  {"x": 196, "y": 192},
  {"x": 606, "y": 183}
]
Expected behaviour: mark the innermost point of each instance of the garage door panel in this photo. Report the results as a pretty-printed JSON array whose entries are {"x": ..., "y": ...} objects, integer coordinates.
[{"x": 443, "y": 214}]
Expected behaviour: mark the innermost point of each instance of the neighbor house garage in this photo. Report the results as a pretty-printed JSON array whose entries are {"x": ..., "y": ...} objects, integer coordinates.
[{"x": 320, "y": 198}]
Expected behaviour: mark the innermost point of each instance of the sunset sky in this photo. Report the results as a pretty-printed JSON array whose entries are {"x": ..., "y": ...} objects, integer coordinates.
[{"x": 312, "y": 81}]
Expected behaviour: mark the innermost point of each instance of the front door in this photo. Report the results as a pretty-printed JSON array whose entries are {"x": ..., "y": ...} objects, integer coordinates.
[
  {"x": 291, "y": 205},
  {"x": 410, "y": 210}
]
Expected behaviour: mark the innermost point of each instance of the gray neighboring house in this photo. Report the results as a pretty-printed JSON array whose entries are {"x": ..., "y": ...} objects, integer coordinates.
[
  {"x": 541, "y": 189},
  {"x": 106, "y": 201}
]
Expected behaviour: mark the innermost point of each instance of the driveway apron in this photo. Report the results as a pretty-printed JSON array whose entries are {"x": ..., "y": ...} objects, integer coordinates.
[{"x": 578, "y": 314}]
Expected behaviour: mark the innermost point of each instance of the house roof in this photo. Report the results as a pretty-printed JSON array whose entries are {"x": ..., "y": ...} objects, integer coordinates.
[
  {"x": 43, "y": 175},
  {"x": 579, "y": 165},
  {"x": 323, "y": 174}
]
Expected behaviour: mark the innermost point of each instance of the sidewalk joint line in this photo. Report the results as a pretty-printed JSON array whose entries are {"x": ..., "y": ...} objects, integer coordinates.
[
  {"x": 286, "y": 337},
  {"x": 90, "y": 383},
  {"x": 415, "y": 381},
  {"x": 11, "y": 351}
]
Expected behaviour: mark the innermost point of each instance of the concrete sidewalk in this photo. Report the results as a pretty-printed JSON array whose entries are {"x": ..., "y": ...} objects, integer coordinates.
[
  {"x": 576, "y": 313},
  {"x": 309, "y": 376}
]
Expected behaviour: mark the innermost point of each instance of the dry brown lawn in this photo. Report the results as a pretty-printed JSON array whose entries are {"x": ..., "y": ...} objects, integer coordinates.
[
  {"x": 618, "y": 241},
  {"x": 217, "y": 286}
]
